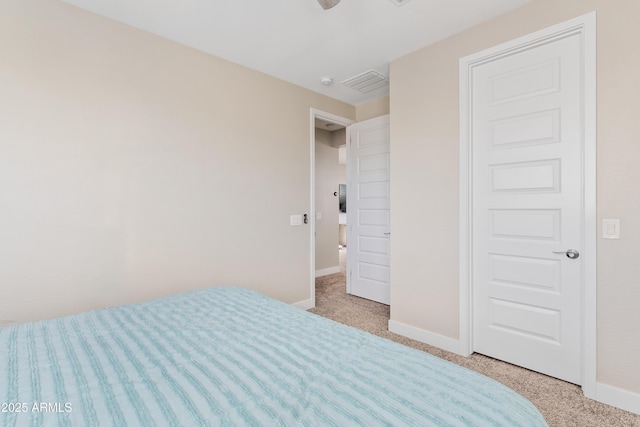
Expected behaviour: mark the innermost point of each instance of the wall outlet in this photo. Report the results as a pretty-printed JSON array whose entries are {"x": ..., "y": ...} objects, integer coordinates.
[{"x": 611, "y": 229}]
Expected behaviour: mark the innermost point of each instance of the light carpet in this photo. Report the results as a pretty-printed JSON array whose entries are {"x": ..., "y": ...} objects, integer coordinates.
[{"x": 561, "y": 403}]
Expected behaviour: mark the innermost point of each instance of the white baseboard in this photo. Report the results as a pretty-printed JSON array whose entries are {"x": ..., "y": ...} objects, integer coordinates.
[
  {"x": 614, "y": 396},
  {"x": 425, "y": 336},
  {"x": 304, "y": 305},
  {"x": 610, "y": 395},
  {"x": 327, "y": 271}
]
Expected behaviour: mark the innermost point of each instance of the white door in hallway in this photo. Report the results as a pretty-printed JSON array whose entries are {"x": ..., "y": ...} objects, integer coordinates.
[
  {"x": 368, "y": 231},
  {"x": 527, "y": 149}
]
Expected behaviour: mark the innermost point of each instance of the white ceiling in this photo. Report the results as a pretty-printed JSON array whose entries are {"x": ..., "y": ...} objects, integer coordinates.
[{"x": 298, "y": 41}]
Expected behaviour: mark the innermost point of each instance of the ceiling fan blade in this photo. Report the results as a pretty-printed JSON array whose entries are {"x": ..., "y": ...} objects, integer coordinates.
[{"x": 328, "y": 4}]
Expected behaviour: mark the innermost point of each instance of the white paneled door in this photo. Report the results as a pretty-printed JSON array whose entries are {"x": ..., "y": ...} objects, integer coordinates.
[
  {"x": 527, "y": 139},
  {"x": 368, "y": 210}
]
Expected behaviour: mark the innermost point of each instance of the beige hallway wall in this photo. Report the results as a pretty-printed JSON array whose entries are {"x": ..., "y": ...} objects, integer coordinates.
[
  {"x": 424, "y": 176},
  {"x": 328, "y": 177}
]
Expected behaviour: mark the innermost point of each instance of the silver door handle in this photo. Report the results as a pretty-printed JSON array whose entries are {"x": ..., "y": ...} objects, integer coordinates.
[
  {"x": 570, "y": 253},
  {"x": 387, "y": 234}
]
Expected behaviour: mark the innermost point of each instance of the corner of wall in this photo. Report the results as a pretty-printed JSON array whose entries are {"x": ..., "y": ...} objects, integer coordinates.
[
  {"x": 427, "y": 337},
  {"x": 376, "y": 108}
]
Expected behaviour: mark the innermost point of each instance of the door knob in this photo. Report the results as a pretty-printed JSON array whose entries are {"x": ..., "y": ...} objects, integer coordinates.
[{"x": 570, "y": 253}]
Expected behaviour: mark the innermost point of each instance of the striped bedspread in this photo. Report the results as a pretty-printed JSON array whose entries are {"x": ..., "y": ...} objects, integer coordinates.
[{"x": 232, "y": 357}]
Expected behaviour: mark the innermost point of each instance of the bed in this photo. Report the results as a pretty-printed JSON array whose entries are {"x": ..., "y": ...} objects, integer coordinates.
[{"x": 229, "y": 356}]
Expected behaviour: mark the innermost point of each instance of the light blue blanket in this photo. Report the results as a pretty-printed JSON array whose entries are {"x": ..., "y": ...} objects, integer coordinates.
[{"x": 230, "y": 356}]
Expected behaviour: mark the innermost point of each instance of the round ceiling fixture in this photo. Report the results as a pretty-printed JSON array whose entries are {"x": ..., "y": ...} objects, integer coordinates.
[{"x": 326, "y": 80}]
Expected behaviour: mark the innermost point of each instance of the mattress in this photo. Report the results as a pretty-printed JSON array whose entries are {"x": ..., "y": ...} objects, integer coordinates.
[{"x": 229, "y": 356}]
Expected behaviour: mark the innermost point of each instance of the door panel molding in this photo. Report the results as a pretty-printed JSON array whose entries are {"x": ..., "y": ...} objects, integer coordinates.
[
  {"x": 368, "y": 262},
  {"x": 585, "y": 27}
]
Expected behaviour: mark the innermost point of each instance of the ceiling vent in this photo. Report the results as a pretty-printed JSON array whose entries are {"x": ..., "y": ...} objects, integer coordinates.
[
  {"x": 400, "y": 2},
  {"x": 367, "y": 81}
]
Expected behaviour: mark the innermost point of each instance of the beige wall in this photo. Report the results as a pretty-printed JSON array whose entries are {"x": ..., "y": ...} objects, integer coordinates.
[
  {"x": 339, "y": 137},
  {"x": 424, "y": 181},
  {"x": 133, "y": 167},
  {"x": 372, "y": 109},
  {"x": 329, "y": 174}
]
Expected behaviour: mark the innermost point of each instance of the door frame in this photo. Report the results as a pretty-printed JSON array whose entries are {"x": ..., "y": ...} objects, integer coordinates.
[
  {"x": 343, "y": 121},
  {"x": 584, "y": 25}
]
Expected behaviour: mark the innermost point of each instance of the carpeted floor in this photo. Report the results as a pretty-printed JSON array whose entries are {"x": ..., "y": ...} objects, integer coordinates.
[{"x": 561, "y": 403}]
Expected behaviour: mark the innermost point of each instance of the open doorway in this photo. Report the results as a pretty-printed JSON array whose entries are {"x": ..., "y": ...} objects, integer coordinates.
[
  {"x": 328, "y": 172},
  {"x": 342, "y": 214}
]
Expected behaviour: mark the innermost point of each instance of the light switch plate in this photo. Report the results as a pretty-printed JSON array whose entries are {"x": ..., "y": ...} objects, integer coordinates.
[
  {"x": 610, "y": 228},
  {"x": 318, "y": 215},
  {"x": 296, "y": 220}
]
